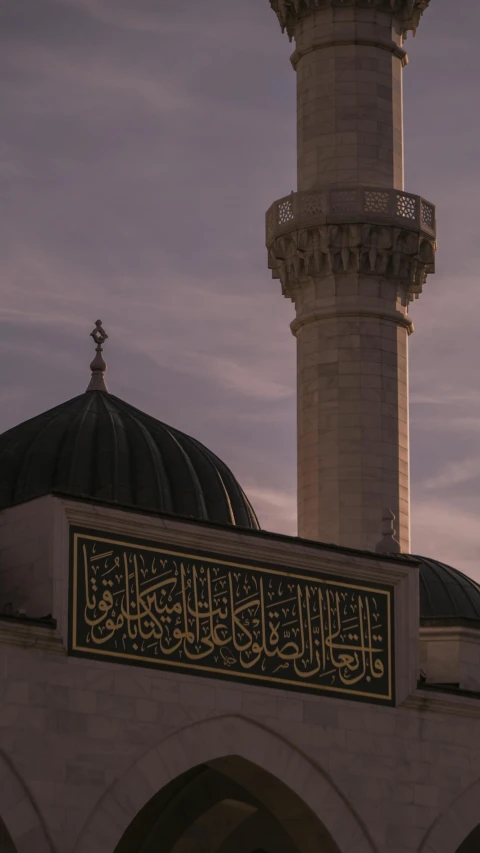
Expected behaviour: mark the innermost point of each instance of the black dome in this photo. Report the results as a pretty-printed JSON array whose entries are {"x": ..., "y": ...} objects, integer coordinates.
[
  {"x": 447, "y": 596},
  {"x": 100, "y": 447}
]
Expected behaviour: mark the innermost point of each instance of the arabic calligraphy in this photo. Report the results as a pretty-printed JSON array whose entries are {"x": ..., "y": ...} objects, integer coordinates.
[{"x": 150, "y": 604}]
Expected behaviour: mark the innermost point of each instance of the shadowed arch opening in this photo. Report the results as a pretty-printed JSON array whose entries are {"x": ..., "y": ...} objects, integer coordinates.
[
  {"x": 297, "y": 793},
  {"x": 21, "y": 825},
  {"x": 228, "y": 805},
  {"x": 6, "y": 843},
  {"x": 457, "y": 828},
  {"x": 472, "y": 842}
]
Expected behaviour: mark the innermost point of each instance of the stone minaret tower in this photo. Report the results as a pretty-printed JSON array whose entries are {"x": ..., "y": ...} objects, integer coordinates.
[{"x": 351, "y": 250}]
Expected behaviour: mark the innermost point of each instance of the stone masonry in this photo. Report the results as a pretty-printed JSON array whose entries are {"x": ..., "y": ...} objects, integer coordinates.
[
  {"x": 84, "y": 744},
  {"x": 351, "y": 250}
]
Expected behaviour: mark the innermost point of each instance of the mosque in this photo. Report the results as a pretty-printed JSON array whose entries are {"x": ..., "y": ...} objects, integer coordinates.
[{"x": 175, "y": 679}]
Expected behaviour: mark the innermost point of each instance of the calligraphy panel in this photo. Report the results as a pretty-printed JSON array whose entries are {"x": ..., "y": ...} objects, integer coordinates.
[{"x": 155, "y": 605}]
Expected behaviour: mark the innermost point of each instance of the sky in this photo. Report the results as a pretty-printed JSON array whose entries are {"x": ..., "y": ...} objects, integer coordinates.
[{"x": 141, "y": 145}]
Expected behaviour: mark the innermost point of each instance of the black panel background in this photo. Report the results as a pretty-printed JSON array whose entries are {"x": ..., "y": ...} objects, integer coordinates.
[{"x": 266, "y": 677}]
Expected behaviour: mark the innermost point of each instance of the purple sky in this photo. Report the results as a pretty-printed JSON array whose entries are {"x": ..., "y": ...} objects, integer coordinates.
[{"x": 141, "y": 145}]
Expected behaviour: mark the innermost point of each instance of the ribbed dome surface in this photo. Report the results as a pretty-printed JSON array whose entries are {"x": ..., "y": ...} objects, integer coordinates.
[
  {"x": 100, "y": 447},
  {"x": 447, "y": 595}
]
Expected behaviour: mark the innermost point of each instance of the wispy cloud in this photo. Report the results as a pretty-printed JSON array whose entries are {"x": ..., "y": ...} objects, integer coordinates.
[
  {"x": 224, "y": 345},
  {"x": 455, "y": 473},
  {"x": 142, "y": 144},
  {"x": 448, "y": 534},
  {"x": 276, "y": 509},
  {"x": 125, "y": 16},
  {"x": 446, "y": 398},
  {"x": 68, "y": 77},
  {"x": 249, "y": 19}
]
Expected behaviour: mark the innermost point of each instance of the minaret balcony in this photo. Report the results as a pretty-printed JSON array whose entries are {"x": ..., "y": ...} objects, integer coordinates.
[
  {"x": 407, "y": 13},
  {"x": 366, "y": 230},
  {"x": 352, "y": 205}
]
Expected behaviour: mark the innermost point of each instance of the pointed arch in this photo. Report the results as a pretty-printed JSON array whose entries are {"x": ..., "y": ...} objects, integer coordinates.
[
  {"x": 453, "y": 826},
  {"x": 209, "y": 741},
  {"x": 19, "y": 814}
]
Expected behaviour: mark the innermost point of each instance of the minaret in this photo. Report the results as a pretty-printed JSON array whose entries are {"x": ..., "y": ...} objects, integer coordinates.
[{"x": 351, "y": 250}]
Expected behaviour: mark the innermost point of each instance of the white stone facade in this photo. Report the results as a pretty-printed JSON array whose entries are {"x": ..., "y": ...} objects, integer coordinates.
[
  {"x": 85, "y": 744},
  {"x": 451, "y": 655},
  {"x": 349, "y": 99},
  {"x": 352, "y": 393},
  {"x": 351, "y": 250}
]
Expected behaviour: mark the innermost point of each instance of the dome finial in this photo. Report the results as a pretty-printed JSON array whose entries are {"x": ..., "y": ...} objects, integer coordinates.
[
  {"x": 388, "y": 544},
  {"x": 98, "y": 366}
]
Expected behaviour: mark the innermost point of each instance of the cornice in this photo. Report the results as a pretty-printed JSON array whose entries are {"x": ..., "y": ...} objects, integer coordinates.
[
  {"x": 442, "y": 632},
  {"x": 321, "y": 44},
  {"x": 30, "y": 636},
  {"x": 437, "y": 700},
  {"x": 358, "y": 312},
  {"x": 406, "y": 14},
  {"x": 261, "y": 547},
  {"x": 317, "y": 252},
  {"x": 363, "y": 230}
]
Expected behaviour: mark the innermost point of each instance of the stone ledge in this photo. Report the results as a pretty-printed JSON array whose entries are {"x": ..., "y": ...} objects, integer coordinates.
[
  {"x": 406, "y": 14},
  {"x": 399, "y": 254},
  {"x": 15, "y": 632},
  {"x": 357, "y": 312},
  {"x": 436, "y": 699},
  {"x": 323, "y": 44}
]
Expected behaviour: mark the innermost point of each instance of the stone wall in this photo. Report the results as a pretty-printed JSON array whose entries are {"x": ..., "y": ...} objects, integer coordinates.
[
  {"x": 89, "y": 743},
  {"x": 349, "y": 99},
  {"x": 26, "y": 541},
  {"x": 451, "y": 655},
  {"x": 85, "y": 744}
]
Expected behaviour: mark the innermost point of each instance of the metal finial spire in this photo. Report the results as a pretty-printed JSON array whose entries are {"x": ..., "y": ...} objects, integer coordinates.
[
  {"x": 388, "y": 544},
  {"x": 98, "y": 366}
]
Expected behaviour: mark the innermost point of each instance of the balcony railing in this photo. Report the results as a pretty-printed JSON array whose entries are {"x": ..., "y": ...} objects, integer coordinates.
[{"x": 352, "y": 205}]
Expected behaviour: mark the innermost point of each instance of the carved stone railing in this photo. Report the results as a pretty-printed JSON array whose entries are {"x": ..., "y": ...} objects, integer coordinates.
[
  {"x": 367, "y": 230},
  {"x": 407, "y": 13},
  {"x": 350, "y": 205}
]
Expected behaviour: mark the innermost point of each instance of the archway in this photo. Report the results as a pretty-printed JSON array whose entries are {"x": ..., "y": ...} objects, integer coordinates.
[
  {"x": 21, "y": 826},
  {"x": 472, "y": 842},
  {"x": 6, "y": 842},
  {"x": 254, "y": 779},
  {"x": 457, "y": 829},
  {"x": 228, "y": 805}
]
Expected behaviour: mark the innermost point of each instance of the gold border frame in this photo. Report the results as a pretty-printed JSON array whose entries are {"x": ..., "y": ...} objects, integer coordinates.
[{"x": 228, "y": 674}]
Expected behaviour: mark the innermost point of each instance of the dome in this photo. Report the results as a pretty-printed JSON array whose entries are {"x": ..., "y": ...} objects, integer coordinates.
[
  {"x": 447, "y": 596},
  {"x": 99, "y": 447}
]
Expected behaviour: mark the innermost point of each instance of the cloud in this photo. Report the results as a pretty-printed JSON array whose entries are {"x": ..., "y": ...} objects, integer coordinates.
[
  {"x": 455, "y": 473},
  {"x": 276, "y": 509},
  {"x": 447, "y": 422},
  {"x": 74, "y": 82},
  {"x": 127, "y": 17},
  {"x": 221, "y": 19},
  {"x": 224, "y": 345},
  {"x": 447, "y": 398},
  {"x": 143, "y": 143},
  {"x": 445, "y": 533},
  {"x": 239, "y": 379}
]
